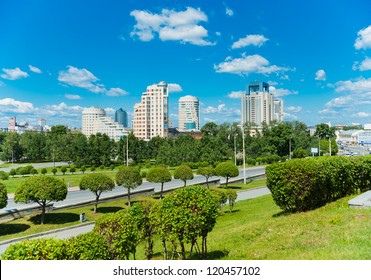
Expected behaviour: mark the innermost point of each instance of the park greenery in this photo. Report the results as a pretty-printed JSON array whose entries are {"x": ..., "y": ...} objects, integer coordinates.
[{"x": 270, "y": 144}]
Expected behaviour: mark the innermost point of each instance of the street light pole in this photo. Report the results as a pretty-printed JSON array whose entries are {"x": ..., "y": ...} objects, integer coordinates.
[
  {"x": 12, "y": 158},
  {"x": 289, "y": 148},
  {"x": 244, "y": 157},
  {"x": 235, "y": 153},
  {"x": 127, "y": 150},
  {"x": 329, "y": 144},
  {"x": 53, "y": 159}
]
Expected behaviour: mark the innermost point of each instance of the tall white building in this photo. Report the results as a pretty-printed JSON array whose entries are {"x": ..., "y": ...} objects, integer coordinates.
[
  {"x": 94, "y": 120},
  {"x": 189, "y": 113},
  {"x": 257, "y": 104},
  {"x": 278, "y": 110},
  {"x": 151, "y": 115}
]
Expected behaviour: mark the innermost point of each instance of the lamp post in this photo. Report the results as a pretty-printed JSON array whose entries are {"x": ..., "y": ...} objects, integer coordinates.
[
  {"x": 53, "y": 159},
  {"x": 329, "y": 144},
  {"x": 127, "y": 150},
  {"x": 235, "y": 152},
  {"x": 289, "y": 148},
  {"x": 12, "y": 158},
  {"x": 243, "y": 154}
]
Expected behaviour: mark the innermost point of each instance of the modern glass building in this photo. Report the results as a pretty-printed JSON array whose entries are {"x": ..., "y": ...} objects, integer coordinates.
[
  {"x": 121, "y": 117},
  {"x": 189, "y": 113}
]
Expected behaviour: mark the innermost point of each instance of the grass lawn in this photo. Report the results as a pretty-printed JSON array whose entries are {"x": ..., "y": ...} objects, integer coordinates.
[{"x": 256, "y": 229}]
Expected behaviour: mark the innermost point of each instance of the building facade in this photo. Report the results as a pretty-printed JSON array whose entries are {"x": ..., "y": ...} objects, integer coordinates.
[
  {"x": 121, "y": 117},
  {"x": 89, "y": 115},
  {"x": 278, "y": 110},
  {"x": 257, "y": 105},
  {"x": 151, "y": 115},
  {"x": 189, "y": 113}
]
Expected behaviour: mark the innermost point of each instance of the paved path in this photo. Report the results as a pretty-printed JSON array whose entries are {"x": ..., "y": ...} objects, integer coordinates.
[{"x": 86, "y": 227}]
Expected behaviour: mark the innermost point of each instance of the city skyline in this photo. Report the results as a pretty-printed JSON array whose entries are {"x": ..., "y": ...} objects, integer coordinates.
[{"x": 57, "y": 58}]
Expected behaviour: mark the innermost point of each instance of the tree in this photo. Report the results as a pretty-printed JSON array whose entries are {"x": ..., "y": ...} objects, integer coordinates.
[
  {"x": 323, "y": 130},
  {"x": 12, "y": 172},
  {"x": 72, "y": 169},
  {"x": 226, "y": 170},
  {"x": 129, "y": 177},
  {"x": 96, "y": 183},
  {"x": 34, "y": 171},
  {"x": 42, "y": 190},
  {"x": 207, "y": 172},
  {"x": 159, "y": 175},
  {"x": 63, "y": 169},
  {"x": 184, "y": 173},
  {"x": 11, "y": 147},
  {"x": 83, "y": 169},
  {"x": 3, "y": 196},
  {"x": 44, "y": 171},
  {"x": 231, "y": 196}
]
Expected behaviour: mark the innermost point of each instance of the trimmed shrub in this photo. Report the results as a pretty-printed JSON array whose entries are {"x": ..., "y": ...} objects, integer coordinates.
[
  {"x": 4, "y": 175},
  {"x": 305, "y": 184}
]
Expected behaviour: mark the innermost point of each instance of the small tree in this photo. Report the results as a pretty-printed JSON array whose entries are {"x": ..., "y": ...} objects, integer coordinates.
[
  {"x": 226, "y": 170},
  {"x": 184, "y": 173},
  {"x": 54, "y": 171},
  {"x": 92, "y": 169},
  {"x": 232, "y": 196},
  {"x": 3, "y": 196},
  {"x": 44, "y": 171},
  {"x": 159, "y": 175},
  {"x": 129, "y": 177},
  {"x": 12, "y": 172},
  {"x": 34, "y": 171},
  {"x": 83, "y": 169},
  {"x": 207, "y": 172},
  {"x": 4, "y": 175},
  {"x": 42, "y": 190},
  {"x": 72, "y": 169},
  {"x": 112, "y": 166},
  {"x": 96, "y": 183},
  {"x": 63, "y": 169}
]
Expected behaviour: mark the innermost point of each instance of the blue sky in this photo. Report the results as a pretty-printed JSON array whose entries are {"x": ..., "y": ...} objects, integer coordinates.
[{"x": 58, "y": 57}]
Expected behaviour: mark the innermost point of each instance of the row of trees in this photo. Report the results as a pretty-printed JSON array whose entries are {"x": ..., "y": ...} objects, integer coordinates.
[{"x": 217, "y": 144}]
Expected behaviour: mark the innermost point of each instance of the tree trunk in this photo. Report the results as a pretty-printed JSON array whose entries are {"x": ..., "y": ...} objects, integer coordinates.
[
  {"x": 97, "y": 195},
  {"x": 183, "y": 250},
  {"x": 129, "y": 197},
  {"x": 162, "y": 188},
  {"x": 226, "y": 182},
  {"x": 164, "y": 248},
  {"x": 185, "y": 183},
  {"x": 43, "y": 206},
  {"x": 207, "y": 182}
]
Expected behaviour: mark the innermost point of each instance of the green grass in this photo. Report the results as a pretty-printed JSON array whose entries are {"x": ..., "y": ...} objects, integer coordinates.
[{"x": 256, "y": 229}]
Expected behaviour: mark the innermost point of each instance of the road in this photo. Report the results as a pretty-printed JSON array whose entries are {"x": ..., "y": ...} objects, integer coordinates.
[{"x": 74, "y": 197}]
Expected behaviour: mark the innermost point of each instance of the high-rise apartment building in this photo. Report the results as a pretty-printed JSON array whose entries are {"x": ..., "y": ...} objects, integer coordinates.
[
  {"x": 151, "y": 115},
  {"x": 89, "y": 115},
  {"x": 257, "y": 104},
  {"x": 121, "y": 117},
  {"x": 189, "y": 113},
  {"x": 278, "y": 110}
]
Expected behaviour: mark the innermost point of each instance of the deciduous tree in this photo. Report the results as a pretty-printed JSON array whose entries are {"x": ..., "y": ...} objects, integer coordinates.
[
  {"x": 129, "y": 177},
  {"x": 159, "y": 175},
  {"x": 226, "y": 170},
  {"x": 184, "y": 173}
]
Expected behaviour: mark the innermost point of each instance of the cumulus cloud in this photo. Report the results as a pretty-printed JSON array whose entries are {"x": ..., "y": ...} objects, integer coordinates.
[
  {"x": 290, "y": 116},
  {"x": 171, "y": 25},
  {"x": 294, "y": 109},
  {"x": 9, "y": 105},
  {"x": 279, "y": 92},
  {"x": 363, "y": 40},
  {"x": 364, "y": 65},
  {"x": 361, "y": 115},
  {"x": 361, "y": 85},
  {"x": 72, "y": 96},
  {"x": 83, "y": 78},
  {"x": 62, "y": 109},
  {"x": 221, "y": 111},
  {"x": 229, "y": 12},
  {"x": 13, "y": 74},
  {"x": 236, "y": 94},
  {"x": 80, "y": 78},
  {"x": 34, "y": 69},
  {"x": 116, "y": 92},
  {"x": 250, "y": 40},
  {"x": 174, "y": 88},
  {"x": 320, "y": 75},
  {"x": 248, "y": 64}
]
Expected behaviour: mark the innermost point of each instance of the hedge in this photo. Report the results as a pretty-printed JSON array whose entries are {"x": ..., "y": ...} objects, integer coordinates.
[{"x": 305, "y": 184}]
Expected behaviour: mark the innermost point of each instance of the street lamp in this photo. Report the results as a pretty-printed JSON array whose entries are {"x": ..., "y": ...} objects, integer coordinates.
[
  {"x": 235, "y": 152},
  {"x": 243, "y": 154},
  {"x": 127, "y": 150},
  {"x": 12, "y": 158},
  {"x": 53, "y": 159},
  {"x": 329, "y": 144},
  {"x": 289, "y": 148}
]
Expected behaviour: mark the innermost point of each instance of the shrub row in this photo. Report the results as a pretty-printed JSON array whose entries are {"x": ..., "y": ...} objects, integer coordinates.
[{"x": 305, "y": 184}]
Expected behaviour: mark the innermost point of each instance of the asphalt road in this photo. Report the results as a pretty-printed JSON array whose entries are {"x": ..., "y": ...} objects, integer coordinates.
[{"x": 74, "y": 197}]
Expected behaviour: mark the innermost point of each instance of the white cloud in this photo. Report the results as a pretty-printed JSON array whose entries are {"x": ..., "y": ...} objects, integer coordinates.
[
  {"x": 116, "y": 92},
  {"x": 15, "y": 106},
  {"x": 327, "y": 112},
  {"x": 13, "y": 74},
  {"x": 294, "y": 109},
  {"x": 361, "y": 85},
  {"x": 229, "y": 12},
  {"x": 272, "y": 83},
  {"x": 364, "y": 65},
  {"x": 248, "y": 64},
  {"x": 363, "y": 40},
  {"x": 236, "y": 94},
  {"x": 171, "y": 25},
  {"x": 72, "y": 96},
  {"x": 279, "y": 92},
  {"x": 34, "y": 69},
  {"x": 290, "y": 116},
  {"x": 80, "y": 78},
  {"x": 174, "y": 88},
  {"x": 250, "y": 40},
  {"x": 361, "y": 115},
  {"x": 62, "y": 109},
  {"x": 320, "y": 75}
]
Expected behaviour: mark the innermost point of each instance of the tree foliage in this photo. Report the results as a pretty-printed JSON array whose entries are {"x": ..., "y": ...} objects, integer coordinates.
[
  {"x": 3, "y": 196},
  {"x": 226, "y": 170},
  {"x": 184, "y": 173},
  {"x": 129, "y": 177},
  {"x": 159, "y": 175},
  {"x": 96, "y": 183},
  {"x": 41, "y": 190},
  {"x": 207, "y": 172}
]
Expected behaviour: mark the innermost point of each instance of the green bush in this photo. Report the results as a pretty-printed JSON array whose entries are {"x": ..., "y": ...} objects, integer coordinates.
[
  {"x": 143, "y": 174},
  {"x": 80, "y": 247},
  {"x": 305, "y": 184},
  {"x": 3, "y": 175}
]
